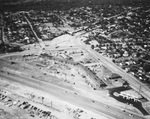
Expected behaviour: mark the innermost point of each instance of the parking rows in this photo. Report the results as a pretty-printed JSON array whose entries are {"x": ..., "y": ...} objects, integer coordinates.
[{"x": 32, "y": 110}]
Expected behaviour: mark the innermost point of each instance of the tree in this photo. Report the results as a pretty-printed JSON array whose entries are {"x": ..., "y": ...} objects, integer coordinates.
[
  {"x": 146, "y": 67},
  {"x": 125, "y": 84},
  {"x": 92, "y": 46}
]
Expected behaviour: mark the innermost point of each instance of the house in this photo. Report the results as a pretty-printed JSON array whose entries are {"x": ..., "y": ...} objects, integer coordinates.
[
  {"x": 126, "y": 54},
  {"x": 116, "y": 55},
  {"x": 94, "y": 42}
]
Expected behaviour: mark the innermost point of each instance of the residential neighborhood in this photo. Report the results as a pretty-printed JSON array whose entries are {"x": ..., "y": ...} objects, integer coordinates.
[{"x": 75, "y": 59}]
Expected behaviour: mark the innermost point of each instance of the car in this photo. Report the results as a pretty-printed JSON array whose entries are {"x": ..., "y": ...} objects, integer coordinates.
[
  {"x": 106, "y": 106},
  {"x": 123, "y": 110},
  {"x": 131, "y": 115},
  {"x": 75, "y": 93}
]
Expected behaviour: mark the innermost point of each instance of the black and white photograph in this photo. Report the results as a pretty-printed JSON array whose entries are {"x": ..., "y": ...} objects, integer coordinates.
[{"x": 74, "y": 59}]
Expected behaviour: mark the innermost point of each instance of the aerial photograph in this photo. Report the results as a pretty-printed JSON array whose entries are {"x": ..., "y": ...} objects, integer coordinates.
[{"x": 74, "y": 59}]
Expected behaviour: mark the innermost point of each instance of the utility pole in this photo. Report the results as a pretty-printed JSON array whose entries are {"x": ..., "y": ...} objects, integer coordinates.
[
  {"x": 51, "y": 104},
  {"x": 42, "y": 99}
]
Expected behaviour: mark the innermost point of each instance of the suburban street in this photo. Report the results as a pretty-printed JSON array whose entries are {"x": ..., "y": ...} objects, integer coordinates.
[
  {"x": 80, "y": 100},
  {"x": 135, "y": 84},
  {"x": 70, "y": 96}
]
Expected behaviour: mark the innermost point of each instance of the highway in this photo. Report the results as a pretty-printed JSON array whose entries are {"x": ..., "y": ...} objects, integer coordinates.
[
  {"x": 69, "y": 96},
  {"x": 77, "y": 99},
  {"x": 134, "y": 83},
  {"x": 82, "y": 101}
]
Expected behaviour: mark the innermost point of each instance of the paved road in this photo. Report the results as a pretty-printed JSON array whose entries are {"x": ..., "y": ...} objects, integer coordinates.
[
  {"x": 81, "y": 101},
  {"x": 37, "y": 51},
  {"x": 107, "y": 63},
  {"x": 2, "y": 29},
  {"x": 135, "y": 84},
  {"x": 40, "y": 41}
]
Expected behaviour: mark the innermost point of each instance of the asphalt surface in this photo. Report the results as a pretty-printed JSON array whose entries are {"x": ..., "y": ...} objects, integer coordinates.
[
  {"x": 80, "y": 100},
  {"x": 134, "y": 83},
  {"x": 98, "y": 107},
  {"x": 73, "y": 98}
]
